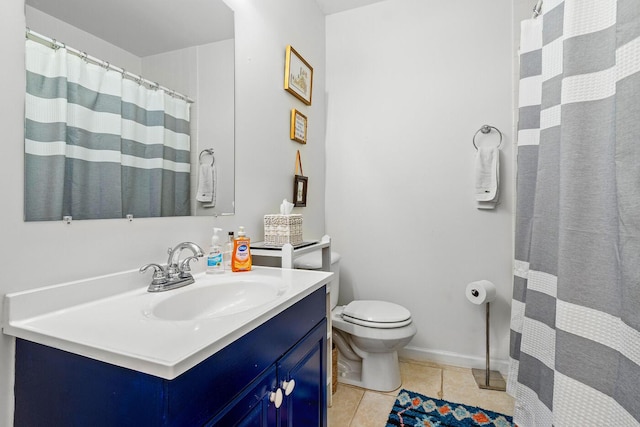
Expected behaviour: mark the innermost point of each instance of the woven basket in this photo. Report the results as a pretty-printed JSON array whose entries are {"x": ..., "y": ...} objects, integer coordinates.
[
  {"x": 334, "y": 369},
  {"x": 281, "y": 229}
]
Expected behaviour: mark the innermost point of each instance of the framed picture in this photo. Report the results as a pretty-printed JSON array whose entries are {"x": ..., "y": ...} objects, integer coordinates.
[
  {"x": 298, "y": 131},
  {"x": 298, "y": 76},
  {"x": 300, "y": 191}
]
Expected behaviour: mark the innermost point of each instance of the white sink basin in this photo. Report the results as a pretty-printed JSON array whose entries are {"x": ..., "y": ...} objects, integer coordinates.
[{"x": 210, "y": 298}]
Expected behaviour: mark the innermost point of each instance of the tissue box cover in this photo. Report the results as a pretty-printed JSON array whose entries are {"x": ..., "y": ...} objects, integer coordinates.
[{"x": 281, "y": 229}]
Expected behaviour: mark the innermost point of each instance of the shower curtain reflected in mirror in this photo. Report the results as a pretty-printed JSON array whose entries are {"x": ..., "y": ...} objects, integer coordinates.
[
  {"x": 98, "y": 145},
  {"x": 575, "y": 327}
]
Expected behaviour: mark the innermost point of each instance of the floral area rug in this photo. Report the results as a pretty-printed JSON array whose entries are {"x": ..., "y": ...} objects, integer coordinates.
[{"x": 413, "y": 409}]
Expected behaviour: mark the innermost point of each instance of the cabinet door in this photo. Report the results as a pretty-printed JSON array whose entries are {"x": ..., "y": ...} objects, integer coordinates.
[
  {"x": 252, "y": 407},
  {"x": 305, "y": 364}
]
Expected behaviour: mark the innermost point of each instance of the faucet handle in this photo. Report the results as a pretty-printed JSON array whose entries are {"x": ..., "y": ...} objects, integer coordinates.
[
  {"x": 184, "y": 265},
  {"x": 158, "y": 273}
]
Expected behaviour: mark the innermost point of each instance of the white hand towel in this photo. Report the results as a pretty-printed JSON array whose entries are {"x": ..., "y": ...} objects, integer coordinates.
[
  {"x": 487, "y": 175},
  {"x": 206, "y": 183}
]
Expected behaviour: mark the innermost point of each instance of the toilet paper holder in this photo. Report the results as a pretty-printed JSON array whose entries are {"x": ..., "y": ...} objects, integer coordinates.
[{"x": 486, "y": 378}]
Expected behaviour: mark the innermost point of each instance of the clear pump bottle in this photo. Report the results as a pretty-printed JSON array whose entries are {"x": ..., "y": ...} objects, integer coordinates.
[
  {"x": 228, "y": 251},
  {"x": 214, "y": 258}
]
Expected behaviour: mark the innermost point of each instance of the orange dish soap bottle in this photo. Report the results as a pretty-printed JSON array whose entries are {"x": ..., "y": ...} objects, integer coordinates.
[{"x": 241, "y": 257}]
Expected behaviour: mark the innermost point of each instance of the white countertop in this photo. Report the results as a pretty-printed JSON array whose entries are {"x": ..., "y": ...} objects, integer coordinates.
[{"x": 107, "y": 318}]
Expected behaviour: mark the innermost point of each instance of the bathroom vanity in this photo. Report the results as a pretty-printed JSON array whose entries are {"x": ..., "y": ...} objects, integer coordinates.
[{"x": 118, "y": 360}]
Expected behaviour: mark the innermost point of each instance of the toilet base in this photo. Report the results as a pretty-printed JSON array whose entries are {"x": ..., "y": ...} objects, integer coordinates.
[{"x": 378, "y": 371}]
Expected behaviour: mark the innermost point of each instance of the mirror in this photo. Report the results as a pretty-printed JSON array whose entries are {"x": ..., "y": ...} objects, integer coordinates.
[{"x": 187, "y": 47}]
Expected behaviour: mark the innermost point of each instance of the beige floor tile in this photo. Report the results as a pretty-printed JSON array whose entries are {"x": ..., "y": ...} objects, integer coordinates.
[
  {"x": 421, "y": 378},
  {"x": 345, "y": 403},
  {"x": 460, "y": 386},
  {"x": 373, "y": 410},
  {"x": 356, "y": 407}
]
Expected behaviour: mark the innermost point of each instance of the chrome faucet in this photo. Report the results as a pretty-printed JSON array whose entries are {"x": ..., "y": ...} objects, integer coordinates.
[{"x": 177, "y": 273}]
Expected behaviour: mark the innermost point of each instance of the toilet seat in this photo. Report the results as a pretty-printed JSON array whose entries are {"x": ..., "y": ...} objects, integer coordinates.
[{"x": 376, "y": 314}]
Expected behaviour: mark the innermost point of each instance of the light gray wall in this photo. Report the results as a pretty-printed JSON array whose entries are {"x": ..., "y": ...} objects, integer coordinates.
[
  {"x": 47, "y": 25},
  {"x": 44, "y": 253},
  {"x": 409, "y": 83}
]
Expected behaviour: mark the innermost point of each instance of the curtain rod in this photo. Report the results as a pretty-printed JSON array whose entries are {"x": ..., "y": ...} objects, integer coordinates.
[
  {"x": 537, "y": 9},
  {"x": 54, "y": 44}
]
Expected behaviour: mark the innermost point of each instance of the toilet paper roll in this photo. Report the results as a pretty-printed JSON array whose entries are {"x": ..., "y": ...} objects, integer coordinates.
[{"x": 481, "y": 291}]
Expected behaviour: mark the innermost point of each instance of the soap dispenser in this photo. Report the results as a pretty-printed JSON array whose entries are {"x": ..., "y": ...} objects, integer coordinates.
[
  {"x": 214, "y": 258},
  {"x": 241, "y": 257}
]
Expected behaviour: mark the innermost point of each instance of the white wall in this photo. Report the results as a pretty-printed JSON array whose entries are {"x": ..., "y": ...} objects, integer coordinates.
[
  {"x": 42, "y": 253},
  {"x": 409, "y": 82}
]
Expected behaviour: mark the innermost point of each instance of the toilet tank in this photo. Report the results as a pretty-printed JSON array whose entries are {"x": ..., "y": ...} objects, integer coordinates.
[{"x": 313, "y": 261}]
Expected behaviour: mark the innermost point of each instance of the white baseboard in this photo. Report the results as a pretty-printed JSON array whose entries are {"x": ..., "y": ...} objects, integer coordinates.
[{"x": 453, "y": 359}]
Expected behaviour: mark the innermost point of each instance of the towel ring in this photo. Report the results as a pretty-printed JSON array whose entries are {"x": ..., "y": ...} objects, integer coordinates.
[
  {"x": 207, "y": 151},
  {"x": 486, "y": 129}
]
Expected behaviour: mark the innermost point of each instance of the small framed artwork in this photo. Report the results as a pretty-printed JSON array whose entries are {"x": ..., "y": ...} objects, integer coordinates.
[
  {"x": 300, "y": 191},
  {"x": 298, "y": 130},
  {"x": 298, "y": 76}
]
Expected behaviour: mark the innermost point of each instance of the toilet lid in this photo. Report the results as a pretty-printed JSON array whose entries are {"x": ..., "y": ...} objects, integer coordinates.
[{"x": 376, "y": 314}]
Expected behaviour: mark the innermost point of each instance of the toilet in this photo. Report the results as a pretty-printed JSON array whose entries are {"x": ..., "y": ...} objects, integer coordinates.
[{"x": 368, "y": 333}]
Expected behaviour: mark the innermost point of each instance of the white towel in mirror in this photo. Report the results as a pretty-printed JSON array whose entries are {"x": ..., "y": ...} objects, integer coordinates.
[{"x": 207, "y": 184}]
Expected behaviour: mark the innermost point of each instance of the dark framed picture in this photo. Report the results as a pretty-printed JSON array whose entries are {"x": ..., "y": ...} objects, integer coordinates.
[
  {"x": 298, "y": 131},
  {"x": 300, "y": 191},
  {"x": 298, "y": 76}
]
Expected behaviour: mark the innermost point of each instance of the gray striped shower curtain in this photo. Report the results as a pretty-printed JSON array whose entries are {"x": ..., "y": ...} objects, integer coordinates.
[
  {"x": 575, "y": 324},
  {"x": 100, "y": 146}
]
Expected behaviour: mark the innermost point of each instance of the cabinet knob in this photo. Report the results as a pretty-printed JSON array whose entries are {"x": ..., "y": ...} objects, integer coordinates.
[
  {"x": 288, "y": 386},
  {"x": 276, "y": 397}
]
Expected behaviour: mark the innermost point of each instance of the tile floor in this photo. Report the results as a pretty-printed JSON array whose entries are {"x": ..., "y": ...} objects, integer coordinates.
[{"x": 356, "y": 407}]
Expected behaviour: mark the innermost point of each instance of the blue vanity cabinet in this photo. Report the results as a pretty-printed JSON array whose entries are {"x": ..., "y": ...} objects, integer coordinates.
[
  {"x": 232, "y": 387},
  {"x": 253, "y": 407},
  {"x": 303, "y": 406}
]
